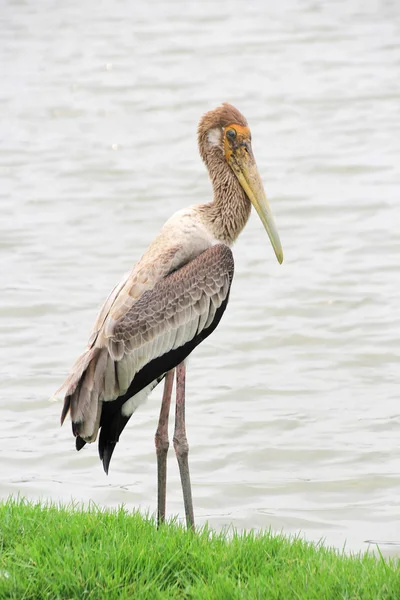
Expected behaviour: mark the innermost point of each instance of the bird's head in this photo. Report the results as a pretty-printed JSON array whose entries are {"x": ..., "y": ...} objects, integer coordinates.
[{"x": 223, "y": 134}]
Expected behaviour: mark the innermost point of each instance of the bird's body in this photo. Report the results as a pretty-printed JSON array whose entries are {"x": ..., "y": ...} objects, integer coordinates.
[{"x": 171, "y": 300}]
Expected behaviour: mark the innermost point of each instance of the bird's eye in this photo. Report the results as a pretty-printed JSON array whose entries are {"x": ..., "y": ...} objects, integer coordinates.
[{"x": 231, "y": 134}]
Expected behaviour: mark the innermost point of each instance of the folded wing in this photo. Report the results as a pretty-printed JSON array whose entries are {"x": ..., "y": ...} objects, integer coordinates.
[{"x": 132, "y": 350}]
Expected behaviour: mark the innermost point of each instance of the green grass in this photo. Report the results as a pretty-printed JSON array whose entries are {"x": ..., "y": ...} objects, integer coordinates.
[{"x": 50, "y": 552}]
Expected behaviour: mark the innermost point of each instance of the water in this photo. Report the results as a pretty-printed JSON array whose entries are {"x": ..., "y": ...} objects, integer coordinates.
[{"x": 293, "y": 416}]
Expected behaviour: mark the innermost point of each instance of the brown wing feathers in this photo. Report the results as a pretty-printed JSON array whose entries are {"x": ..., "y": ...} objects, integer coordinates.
[{"x": 155, "y": 334}]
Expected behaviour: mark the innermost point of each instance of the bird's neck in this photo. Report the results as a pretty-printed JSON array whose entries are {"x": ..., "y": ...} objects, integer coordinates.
[{"x": 229, "y": 212}]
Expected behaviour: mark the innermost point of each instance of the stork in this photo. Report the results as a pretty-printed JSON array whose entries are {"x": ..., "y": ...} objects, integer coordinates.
[{"x": 172, "y": 299}]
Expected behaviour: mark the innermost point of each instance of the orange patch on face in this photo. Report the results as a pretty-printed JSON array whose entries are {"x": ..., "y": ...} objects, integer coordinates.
[
  {"x": 243, "y": 132},
  {"x": 230, "y": 143}
]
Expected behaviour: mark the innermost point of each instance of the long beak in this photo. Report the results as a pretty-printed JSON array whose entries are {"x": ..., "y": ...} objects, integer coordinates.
[{"x": 244, "y": 166}]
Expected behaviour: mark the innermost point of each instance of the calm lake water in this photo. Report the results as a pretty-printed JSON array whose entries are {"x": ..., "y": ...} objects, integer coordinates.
[{"x": 293, "y": 409}]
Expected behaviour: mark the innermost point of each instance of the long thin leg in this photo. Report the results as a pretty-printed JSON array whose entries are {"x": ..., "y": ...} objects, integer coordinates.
[
  {"x": 162, "y": 445},
  {"x": 181, "y": 444}
]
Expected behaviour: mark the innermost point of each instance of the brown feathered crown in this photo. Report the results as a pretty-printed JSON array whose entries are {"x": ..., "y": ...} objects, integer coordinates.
[{"x": 223, "y": 115}]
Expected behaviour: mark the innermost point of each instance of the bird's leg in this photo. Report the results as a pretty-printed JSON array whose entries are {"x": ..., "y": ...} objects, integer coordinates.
[
  {"x": 181, "y": 444},
  {"x": 162, "y": 445}
]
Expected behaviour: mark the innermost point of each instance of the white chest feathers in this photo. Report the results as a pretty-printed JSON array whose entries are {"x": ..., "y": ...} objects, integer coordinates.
[{"x": 188, "y": 230}]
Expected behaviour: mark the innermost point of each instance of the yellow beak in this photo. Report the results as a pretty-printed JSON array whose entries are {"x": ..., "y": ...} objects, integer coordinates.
[{"x": 244, "y": 166}]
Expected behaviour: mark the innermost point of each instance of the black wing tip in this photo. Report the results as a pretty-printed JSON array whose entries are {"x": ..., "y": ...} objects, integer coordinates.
[
  {"x": 111, "y": 425},
  {"x": 79, "y": 443},
  {"x": 105, "y": 455},
  {"x": 106, "y": 449}
]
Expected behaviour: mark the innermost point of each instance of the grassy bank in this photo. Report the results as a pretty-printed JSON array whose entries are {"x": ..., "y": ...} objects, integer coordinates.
[{"x": 53, "y": 553}]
